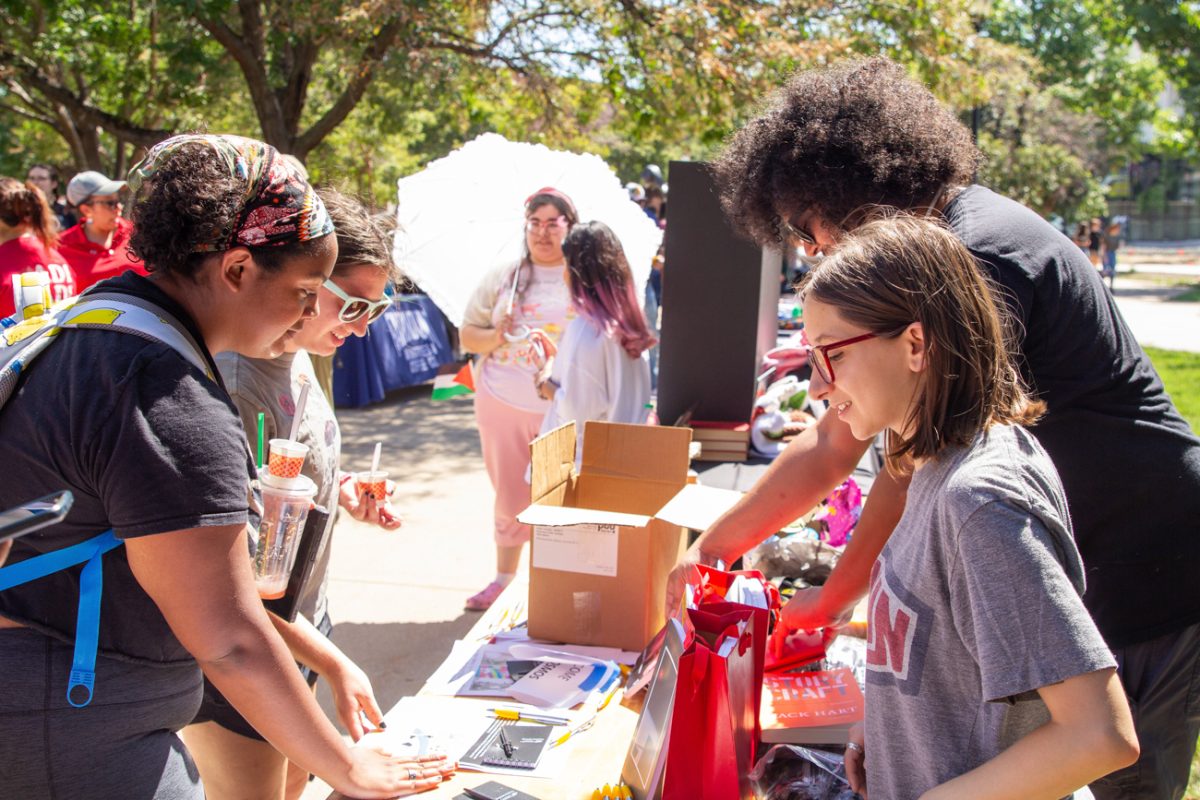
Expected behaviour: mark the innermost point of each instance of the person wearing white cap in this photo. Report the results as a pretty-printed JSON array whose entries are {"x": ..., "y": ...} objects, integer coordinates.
[{"x": 96, "y": 248}]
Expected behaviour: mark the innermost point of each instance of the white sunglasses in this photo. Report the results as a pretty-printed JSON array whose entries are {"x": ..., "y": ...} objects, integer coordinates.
[{"x": 355, "y": 308}]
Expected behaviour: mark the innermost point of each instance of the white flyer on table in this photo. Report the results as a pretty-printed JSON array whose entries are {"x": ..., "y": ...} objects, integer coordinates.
[{"x": 587, "y": 549}]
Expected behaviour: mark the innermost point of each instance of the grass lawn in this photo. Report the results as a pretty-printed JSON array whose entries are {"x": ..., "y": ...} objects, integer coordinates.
[
  {"x": 1180, "y": 373},
  {"x": 1192, "y": 295}
]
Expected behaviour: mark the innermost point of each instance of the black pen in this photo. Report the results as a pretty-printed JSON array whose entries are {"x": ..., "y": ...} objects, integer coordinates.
[{"x": 505, "y": 744}]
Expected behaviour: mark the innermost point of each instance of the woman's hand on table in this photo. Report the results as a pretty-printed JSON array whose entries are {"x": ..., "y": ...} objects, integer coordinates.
[
  {"x": 353, "y": 697},
  {"x": 365, "y": 508},
  {"x": 856, "y": 770},
  {"x": 375, "y": 773}
]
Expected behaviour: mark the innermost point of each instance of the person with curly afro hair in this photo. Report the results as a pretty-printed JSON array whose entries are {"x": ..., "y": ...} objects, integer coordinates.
[
  {"x": 834, "y": 144},
  {"x": 828, "y": 152}
]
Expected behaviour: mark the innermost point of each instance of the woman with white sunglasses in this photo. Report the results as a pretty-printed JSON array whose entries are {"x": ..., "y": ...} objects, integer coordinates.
[
  {"x": 507, "y": 306},
  {"x": 234, "y": 760}
]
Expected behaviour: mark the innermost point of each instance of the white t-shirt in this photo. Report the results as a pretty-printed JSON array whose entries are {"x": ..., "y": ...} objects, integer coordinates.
[
  {"x": 543, "y": 302},
  {"x": 597, "y": 380}
]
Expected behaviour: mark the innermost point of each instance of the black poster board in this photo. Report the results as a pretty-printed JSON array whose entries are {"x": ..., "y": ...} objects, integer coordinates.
[{"x": 720, "y": 300}]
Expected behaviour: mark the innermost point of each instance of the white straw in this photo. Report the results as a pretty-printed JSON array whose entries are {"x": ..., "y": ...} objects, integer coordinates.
[
  {"x": 375, "y": 460},
  {"x": 299, "y": 411}
]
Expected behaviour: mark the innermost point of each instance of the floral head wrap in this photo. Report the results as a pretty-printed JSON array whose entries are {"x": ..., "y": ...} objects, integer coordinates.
[{"x": 278, "y": 206}]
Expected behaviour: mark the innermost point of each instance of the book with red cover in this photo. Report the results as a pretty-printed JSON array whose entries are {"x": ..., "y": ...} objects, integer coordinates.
[
  {"x": 810, "y": 707},
  {"x": 705, "y": 431}
]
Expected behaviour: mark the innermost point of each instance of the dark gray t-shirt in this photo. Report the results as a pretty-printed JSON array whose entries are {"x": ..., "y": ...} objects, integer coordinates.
[
  {"x": 974, "y": 604},
  {"x": 146, "y": 443}
]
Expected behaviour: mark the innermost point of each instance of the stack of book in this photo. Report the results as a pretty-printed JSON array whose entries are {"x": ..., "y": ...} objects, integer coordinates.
[
  {"x": 810, "y": 707},
  {"x": 721, "y": 441}
]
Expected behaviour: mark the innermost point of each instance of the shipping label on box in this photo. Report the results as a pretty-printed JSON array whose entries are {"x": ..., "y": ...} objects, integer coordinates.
[{"x": 588, "y": 549}]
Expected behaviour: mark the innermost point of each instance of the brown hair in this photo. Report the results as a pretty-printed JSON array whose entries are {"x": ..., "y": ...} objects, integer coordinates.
[
  {"x": 900, "y": 269},
  {"x": 24, "y": 204},
  {"x": 362, "y": 239},
  {"x": 602, "y": 287},
  {"x": 839, "y": 140}
]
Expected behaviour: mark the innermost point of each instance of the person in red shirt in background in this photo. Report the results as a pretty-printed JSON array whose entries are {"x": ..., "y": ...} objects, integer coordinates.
[
  {"x": 28, "y": 239},
  {"x": 96, "y": 248}
]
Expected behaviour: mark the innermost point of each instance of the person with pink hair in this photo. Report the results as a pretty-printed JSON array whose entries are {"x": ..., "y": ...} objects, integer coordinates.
[{"x": 600, "y": 370}]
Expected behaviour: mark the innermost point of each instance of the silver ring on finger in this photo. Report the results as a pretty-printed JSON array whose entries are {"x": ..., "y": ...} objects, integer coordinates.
[
  {"x": 412, "y": 775},
  {"x": 855, "y": 746}
]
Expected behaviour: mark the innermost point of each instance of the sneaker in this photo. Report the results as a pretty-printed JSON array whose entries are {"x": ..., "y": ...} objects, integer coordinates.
[{"x": 483, "y": 601}]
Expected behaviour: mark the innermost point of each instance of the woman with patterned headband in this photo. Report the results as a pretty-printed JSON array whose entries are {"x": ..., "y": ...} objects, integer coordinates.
[{"x": 144, "y": 434}]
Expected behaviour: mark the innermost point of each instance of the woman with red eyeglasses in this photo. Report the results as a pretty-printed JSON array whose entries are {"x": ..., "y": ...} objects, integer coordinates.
[
  {"x": 507, "y": 306},
  {"x": 985, "y": 674},
  {"x": 97, "y": 248}
]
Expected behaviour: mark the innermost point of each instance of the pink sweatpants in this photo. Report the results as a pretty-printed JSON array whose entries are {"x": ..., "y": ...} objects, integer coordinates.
[{"x": 504, "y": 434}]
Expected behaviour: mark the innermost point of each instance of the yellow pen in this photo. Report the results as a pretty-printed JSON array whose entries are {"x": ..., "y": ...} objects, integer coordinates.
[
  {"x": 573, "y": 731},
  {"x": 516, "y": 715}
]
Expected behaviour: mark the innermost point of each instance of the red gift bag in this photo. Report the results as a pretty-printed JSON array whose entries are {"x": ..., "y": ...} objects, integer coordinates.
[
  {"x": 713, "y": 732},
  {"x": 715, "y": 583},
  {"x": 795, "y": 649}
]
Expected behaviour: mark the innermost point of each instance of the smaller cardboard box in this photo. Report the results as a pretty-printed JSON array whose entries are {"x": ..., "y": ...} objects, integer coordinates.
[{"x": 602, "y": 548}]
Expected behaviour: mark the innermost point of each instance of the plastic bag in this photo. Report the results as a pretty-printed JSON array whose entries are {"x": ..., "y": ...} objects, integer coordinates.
[
  {"x": 791, "y": 772},
  {"x": 800, "y": 556}
]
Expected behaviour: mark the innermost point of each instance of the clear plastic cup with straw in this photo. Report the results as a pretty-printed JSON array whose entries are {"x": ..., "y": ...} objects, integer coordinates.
[
  {"x": 287, "y": 497},
  {"x": 286, "y": 502},
  {"x": 373, "y": 482}
]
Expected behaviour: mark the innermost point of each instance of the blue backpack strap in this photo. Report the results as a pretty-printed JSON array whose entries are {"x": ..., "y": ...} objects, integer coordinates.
[{"x": 91, "y": 585}]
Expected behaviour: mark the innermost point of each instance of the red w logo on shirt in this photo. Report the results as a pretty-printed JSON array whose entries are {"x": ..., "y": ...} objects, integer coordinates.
[{"x": 892, "y": 623}]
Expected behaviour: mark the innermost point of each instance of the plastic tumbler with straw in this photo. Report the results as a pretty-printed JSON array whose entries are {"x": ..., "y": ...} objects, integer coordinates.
[{"x": 287, "y": 497}]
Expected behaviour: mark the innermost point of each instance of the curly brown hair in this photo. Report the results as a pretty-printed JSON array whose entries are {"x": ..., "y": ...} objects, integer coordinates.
[
  {"x": 189, "y": 201},
  {"x": 839, "y": 140}
]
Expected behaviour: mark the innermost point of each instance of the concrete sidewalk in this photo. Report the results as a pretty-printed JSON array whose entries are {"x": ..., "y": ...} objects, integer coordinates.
[{"x": 1156, "y": 319}]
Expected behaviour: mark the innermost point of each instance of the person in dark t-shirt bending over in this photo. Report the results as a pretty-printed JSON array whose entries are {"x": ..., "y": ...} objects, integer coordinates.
[
  {"x": 238, "y": 247},
  {"x": 837, "y": 143}
]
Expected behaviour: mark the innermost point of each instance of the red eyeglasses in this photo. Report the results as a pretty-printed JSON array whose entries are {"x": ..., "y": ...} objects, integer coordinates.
[{"x": 818, "y": 355}]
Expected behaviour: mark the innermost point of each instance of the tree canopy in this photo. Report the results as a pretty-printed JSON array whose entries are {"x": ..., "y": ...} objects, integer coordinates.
[{"x": 365, "y": 91}]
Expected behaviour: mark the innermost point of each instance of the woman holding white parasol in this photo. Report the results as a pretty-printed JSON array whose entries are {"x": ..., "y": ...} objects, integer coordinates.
[{"x": 506, "y": 306}]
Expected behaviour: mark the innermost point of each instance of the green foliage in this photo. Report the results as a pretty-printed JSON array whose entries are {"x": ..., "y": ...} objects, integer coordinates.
[
  {"x": 1047, "y": 177},
  {"x": 1111, "y": 59},
  {"x": 369, "y": 90},
  {"x": 102, "y": 75}
]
